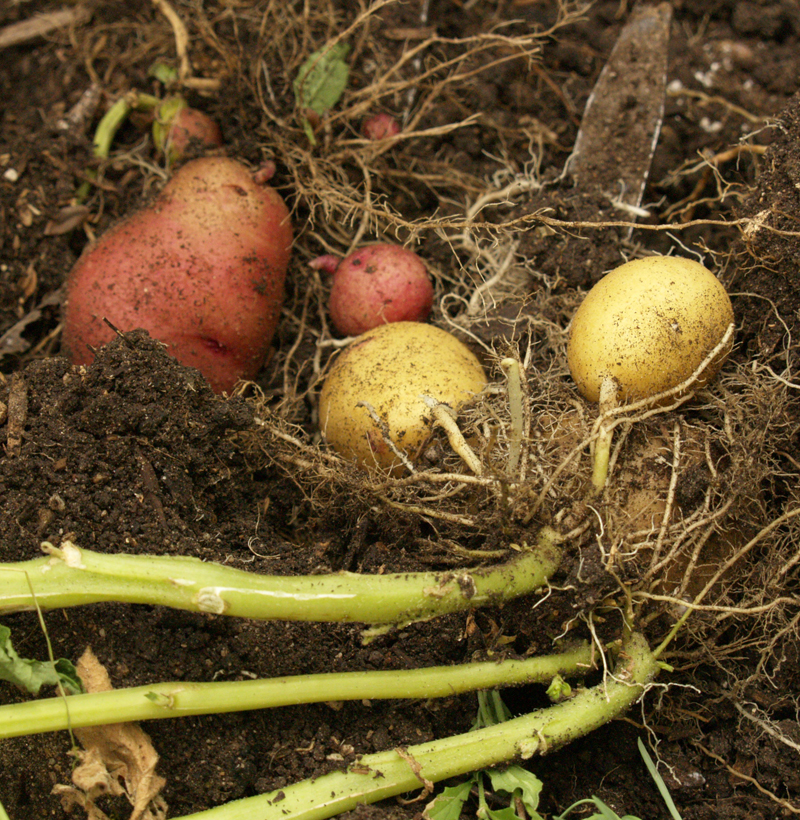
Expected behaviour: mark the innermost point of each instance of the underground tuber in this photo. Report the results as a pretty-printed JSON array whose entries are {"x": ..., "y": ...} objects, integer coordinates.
[
  {"x": 378, "y": 284},
  {"x": 377, "y": 405},
  {"x": 201, "y": 269},
  {"x": 179, "y": 131},
  {"x": 652, "y": 330},
  {"x": 380, "y": 126},
  {"x": 648, "y": 325}
]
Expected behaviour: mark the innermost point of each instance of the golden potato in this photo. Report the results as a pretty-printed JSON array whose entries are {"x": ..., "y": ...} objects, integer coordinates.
[
  {"x": 390, "y": 369},
  {"x": 649, "y": 324}
]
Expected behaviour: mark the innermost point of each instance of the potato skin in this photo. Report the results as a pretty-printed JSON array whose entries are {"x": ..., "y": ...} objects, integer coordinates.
[
  {"x": 378, "y": 284},
  {"x": 649, "y": 324},
  {"x": 391, "y": 367},
  {"x": 201, "y": 269},
  {"x": 192, "y": 131}
]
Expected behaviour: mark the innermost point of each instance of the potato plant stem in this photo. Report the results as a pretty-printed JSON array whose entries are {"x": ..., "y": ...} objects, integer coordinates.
[
  {"x": 180, "y": 699},
  {"x": 378, "y": 776},
  {"x": 71, "y": 576}
]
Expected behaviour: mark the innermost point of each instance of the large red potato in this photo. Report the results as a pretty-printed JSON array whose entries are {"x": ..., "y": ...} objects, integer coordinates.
[
  {"x": 379, "y": 284},
  {"x": 202, "y": 269}
]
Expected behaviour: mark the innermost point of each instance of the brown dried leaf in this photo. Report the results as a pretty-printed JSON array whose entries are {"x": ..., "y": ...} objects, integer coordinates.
[{"x": 118, "y": 759}]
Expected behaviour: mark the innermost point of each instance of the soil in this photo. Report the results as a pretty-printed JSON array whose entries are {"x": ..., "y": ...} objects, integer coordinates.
[{"x": 135, "y": 454}]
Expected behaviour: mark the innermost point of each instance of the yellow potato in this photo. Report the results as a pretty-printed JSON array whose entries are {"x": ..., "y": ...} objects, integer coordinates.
[
  {"x": 649, "y": 324},
  {"x": 391, "y": 368}
]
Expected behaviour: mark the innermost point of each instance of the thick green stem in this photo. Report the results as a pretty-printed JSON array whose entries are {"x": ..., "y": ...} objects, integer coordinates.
[
  {"x": 179, "y": 699},
  {"x": 71, "y": 576},
  {"x": 378, "y": 776}
]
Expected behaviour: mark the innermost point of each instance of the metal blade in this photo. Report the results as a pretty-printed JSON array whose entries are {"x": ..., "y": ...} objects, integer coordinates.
[{"x": 623, "y": 116}]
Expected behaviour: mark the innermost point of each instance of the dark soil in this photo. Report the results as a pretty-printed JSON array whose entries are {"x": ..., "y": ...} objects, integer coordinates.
[{"x": 136, "y": 454}]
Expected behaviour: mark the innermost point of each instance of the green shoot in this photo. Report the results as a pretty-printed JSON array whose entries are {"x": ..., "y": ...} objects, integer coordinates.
[
  {"x": 659, "y": 781},
  {"x": 320, "y": 83},
  {"x": 604, "y": 812},
  {"x": 385, "y": 774},
  {"x": 180, "y": 699},
  {"x": 109, "y": 125},
  {"x": 71, "y": 576}
]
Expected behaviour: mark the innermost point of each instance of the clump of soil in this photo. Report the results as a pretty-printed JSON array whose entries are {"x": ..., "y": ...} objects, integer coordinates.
[{"x": 135, "y": 453}]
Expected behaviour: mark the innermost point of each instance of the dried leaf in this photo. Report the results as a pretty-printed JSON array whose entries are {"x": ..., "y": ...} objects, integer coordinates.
[{"x": 118, "y": 759}]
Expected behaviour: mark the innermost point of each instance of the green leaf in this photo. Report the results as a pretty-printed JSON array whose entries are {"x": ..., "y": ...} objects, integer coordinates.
[
  {"x": 32, "y": 675},
  {"x": 659, "y": 781},
  {"x": 322, "y": 78},
  {"x": 320, "y": 82},
  {"x": 448, "y": 804},
  {"x": 518, "y": 781}
]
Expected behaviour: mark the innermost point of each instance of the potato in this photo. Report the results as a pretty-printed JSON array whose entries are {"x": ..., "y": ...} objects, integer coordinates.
[
  {"x": 378, "y": 284},
  {"x": 649, "y": 324},
  {"x": 180, "y": 131},
  {"x": 380, "y": 126},
  {"x": 391, "y": 368},
  {"x": 201, "y": 269}
]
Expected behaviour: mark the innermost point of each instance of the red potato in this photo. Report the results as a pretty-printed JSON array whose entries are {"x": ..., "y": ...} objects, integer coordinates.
[
  {"x": 179, "y": 130},
  {"x": 379, "y": 284},
  {"x": 191, "y": 130},
  {"x": 201, "y": 269},
  {"x": 380, "y": 126}
]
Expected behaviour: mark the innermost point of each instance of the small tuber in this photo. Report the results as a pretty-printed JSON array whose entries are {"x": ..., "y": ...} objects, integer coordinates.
[
  {"x": 180, "y": 131},
  {"x": 378, "y": 284}
]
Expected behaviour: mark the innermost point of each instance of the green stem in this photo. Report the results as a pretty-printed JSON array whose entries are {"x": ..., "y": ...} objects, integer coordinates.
[
  {"x": 179, "y": 699},
  {"x": 378, "y": 776},
  {"x": 109, "y": 125},
  {"x": 116, "y": 115},
  {"x": 71, "y": 576}
]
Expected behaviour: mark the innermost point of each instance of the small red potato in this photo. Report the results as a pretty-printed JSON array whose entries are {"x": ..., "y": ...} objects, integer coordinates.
[
  {"x": 379, "y": 284},
  {"x": 380, "y": 126},
  {"x": 201, "y": 269},
  {"x": 180, "y": 131}
]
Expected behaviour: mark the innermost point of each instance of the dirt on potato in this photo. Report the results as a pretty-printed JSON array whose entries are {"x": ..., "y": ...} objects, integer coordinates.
[{"x": 135, "y": 454}]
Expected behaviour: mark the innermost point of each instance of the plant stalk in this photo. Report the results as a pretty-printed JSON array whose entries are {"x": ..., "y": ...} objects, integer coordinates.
[
  {"x": 180, "y": 699},
  {"x": 71, "y": 576},
  {"x": 378, "y": 776}
]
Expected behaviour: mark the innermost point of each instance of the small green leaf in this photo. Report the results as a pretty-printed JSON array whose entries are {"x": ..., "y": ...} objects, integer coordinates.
[
  {"x": 448, "y": 804},
  {"x": 518, "y": 781},
  {"x": 322, "y": 78},
  {"x": 32, "y": 675}
]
